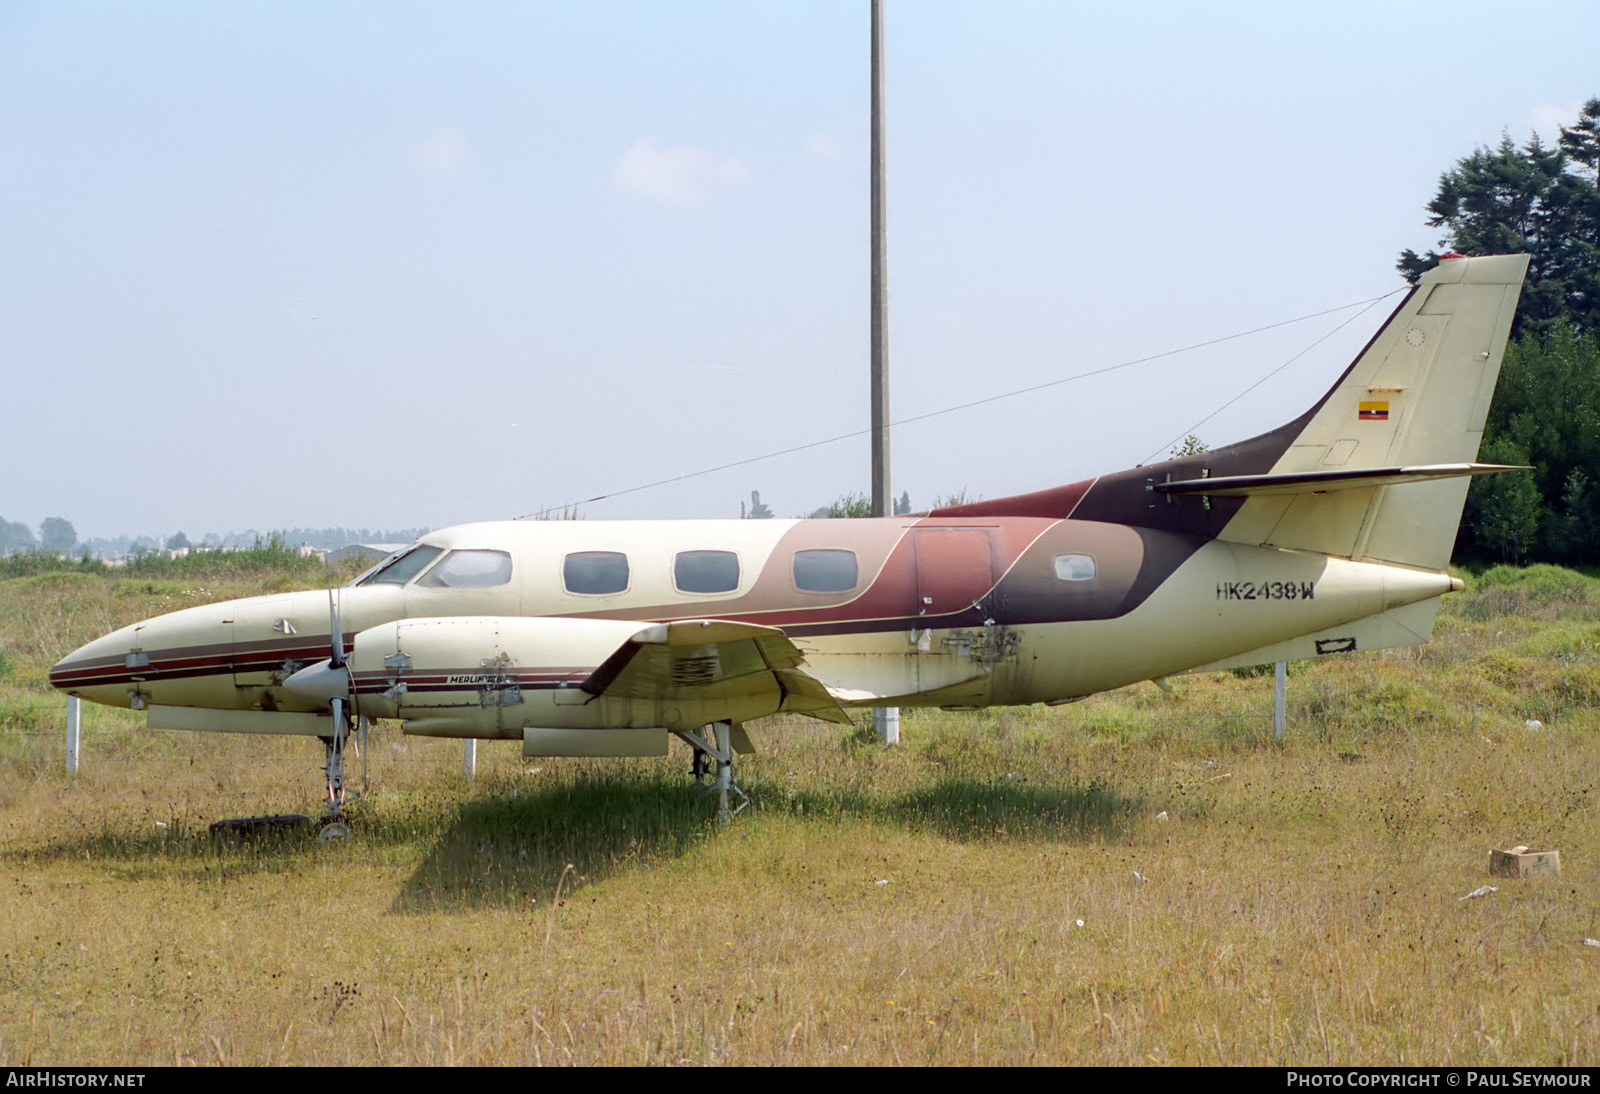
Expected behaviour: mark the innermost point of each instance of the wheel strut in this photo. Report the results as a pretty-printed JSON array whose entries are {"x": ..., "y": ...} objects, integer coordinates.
[
  {"x": 333, "y": 826},
  {"x": 716, "y": 745}
]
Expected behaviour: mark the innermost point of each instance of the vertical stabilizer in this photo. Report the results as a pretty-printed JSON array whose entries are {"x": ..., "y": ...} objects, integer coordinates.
[{"x": 1417, "y": 395}]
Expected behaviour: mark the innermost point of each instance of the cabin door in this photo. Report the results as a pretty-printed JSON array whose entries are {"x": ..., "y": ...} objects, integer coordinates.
[{"x": 955, "y": 573}]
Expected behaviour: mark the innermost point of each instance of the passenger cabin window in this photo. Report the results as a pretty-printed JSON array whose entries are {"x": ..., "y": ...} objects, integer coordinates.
[
  {"x": 705, "y": 571},
  {"x": 1075, "y": 567},
  {"x": 825, "y": 571},
  {"x": 404, "y": 567},
  {"x": 594, "y": 572},
  {"x": 469, "y": 570}
]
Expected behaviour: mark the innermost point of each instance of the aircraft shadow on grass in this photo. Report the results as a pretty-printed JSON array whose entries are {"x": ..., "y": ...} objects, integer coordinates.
[{"x": 516, "y": 850}]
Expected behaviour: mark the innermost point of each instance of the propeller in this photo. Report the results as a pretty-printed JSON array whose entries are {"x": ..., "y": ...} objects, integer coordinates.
[
  {"x": 326, "y": 683},
  {"x": 329, "y": 683}
]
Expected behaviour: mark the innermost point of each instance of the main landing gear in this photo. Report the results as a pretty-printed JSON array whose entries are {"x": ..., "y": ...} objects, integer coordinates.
[
  {"x": 333, "y": 829},
  {"x": 715, "y": 747}
]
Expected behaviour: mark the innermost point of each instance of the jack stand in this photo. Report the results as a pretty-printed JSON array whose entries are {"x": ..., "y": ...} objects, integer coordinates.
[{"x": 717, "y": 744}]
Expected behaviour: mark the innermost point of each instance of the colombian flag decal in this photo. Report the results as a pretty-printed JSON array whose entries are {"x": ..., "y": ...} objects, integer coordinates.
[{"x": 1373, "y": 412}]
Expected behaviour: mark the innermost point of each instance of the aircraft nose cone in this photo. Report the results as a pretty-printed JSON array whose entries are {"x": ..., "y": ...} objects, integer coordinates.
[
  {"x": 90, "y": 663},
  {"x": 63, "y": 672},
  {"x": 321, "y": 683}
]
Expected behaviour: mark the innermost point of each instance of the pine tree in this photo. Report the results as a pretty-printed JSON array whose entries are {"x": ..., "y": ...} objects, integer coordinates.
[
  {"x": 1581, "y": 142},
  {"x": 1531, "y": 200}
]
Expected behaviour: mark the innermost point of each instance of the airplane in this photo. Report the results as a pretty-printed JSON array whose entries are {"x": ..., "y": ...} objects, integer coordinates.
[{"x": 1330, "y": 534}]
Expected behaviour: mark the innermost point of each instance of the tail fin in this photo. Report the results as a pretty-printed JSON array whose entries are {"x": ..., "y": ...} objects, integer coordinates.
[{"x": 1378, "y": 469}]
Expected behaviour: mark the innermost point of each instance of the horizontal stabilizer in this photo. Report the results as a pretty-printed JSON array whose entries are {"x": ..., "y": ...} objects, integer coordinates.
[{"x": 1317, "y": 482}]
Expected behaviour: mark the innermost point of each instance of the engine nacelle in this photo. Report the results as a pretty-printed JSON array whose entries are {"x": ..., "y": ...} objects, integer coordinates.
[{"x": 486, "y": 676}]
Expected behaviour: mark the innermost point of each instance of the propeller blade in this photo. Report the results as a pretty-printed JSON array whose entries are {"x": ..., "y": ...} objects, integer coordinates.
[{"x": 335, "y": 632}]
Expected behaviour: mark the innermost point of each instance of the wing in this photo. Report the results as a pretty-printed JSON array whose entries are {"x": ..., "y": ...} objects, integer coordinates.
[{"x": 713, "y": 660}]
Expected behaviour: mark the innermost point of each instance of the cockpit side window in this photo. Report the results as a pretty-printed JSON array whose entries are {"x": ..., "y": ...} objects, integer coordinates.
[
  {"x": 595, "y": 572},
  {"x": 469, "y": 570},
  {"x": 404, "y": 567}
]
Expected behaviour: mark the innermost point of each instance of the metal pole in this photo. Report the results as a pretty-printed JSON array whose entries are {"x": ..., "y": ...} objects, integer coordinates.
[
  {"x": 469, "y": 757},
  {"x": 882, "y": 499},
  {"x": 1280, "y": 683},
  {"x": 885, "y": 720},
  {"x": 73, "y": 721}
]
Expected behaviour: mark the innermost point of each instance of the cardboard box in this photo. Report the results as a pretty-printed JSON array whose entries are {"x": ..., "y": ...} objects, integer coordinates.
[{"x": 1521, "y": 862}]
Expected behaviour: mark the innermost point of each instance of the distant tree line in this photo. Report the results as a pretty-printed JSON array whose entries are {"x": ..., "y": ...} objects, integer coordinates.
[
  {"x": 56, "y": 535},
  {"x": 327, "y": 539},
  {"x": 1543, "y": 201},
  {"x": 853, "y": 504}
]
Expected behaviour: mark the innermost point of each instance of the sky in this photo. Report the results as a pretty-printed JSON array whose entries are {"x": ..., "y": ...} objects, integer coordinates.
[{"x": 388, "y": 265}]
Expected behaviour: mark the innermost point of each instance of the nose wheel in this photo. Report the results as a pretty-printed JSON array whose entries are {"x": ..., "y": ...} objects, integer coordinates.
[{"x": 333, "y": 832}]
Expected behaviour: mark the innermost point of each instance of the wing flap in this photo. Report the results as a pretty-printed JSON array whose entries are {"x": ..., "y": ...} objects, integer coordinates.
[
  {"x": 706, "y": 660},
  {"x": 804, "y": 694}
]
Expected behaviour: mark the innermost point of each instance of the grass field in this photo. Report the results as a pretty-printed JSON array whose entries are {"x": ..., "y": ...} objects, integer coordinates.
[{"x": 1138, "y": 878}]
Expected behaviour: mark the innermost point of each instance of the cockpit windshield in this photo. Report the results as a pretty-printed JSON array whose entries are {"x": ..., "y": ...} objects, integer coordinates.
[
  {"x": 400, "y": 568},
  {"x": 469, "y": 570}
]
